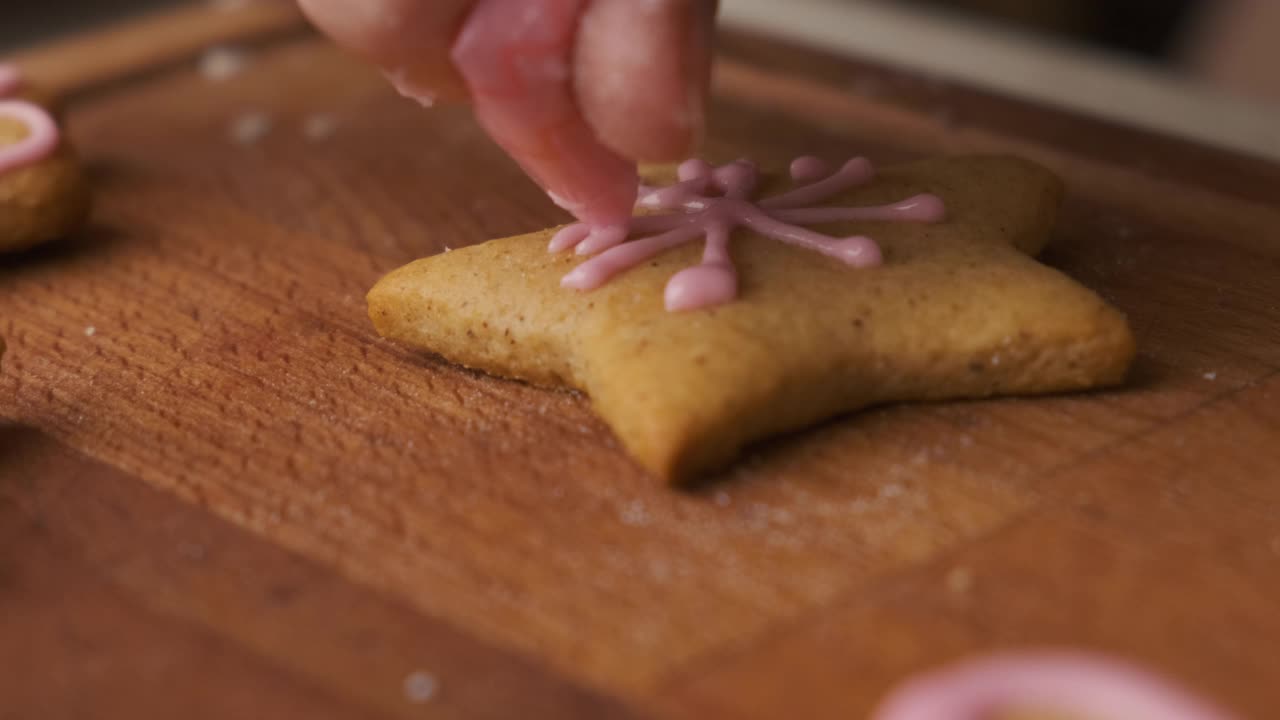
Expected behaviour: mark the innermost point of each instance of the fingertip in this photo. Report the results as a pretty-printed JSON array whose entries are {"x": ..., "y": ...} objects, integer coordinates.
[{"x": 642, "y": 75}]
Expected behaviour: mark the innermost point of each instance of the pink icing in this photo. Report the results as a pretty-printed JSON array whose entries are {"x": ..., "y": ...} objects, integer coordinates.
[
  {"x": 710, "y": 202},
  {"x": 42, "y": 132},
  {"x": 1074, "y": 685}
]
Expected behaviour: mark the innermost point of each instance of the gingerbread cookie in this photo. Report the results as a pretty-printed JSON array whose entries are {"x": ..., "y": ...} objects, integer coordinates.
[
  {"x": 43, "y": 190},
  {"x": 729, "y": 317}
]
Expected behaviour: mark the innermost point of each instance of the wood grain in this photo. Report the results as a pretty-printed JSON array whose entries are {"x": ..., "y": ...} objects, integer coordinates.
[
  {"x": 152, "y": 43},
  {"x": 196, "y": 370},
  {"x": 112, "y": 588}
]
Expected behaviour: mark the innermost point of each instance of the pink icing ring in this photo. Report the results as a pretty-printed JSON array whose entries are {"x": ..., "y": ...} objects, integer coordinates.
[
  {"x": 41, "y": 140},
  {"x": 1075, "y": 684},
  {"x": 10, "y": 79}
]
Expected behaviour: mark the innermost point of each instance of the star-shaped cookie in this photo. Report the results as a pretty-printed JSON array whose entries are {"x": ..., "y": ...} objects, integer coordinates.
[{"x": 958, "y": 309}]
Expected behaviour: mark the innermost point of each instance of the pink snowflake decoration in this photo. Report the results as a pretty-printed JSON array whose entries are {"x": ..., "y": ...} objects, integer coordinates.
[{"x": 710, "y": 202}]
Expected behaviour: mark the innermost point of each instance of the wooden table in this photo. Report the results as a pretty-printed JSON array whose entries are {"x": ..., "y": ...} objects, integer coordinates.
[{"x": 221, "y": 495}]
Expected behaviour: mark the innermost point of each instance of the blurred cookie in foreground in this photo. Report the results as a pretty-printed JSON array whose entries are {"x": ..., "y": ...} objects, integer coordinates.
[{"x": 1047, "y": 685}]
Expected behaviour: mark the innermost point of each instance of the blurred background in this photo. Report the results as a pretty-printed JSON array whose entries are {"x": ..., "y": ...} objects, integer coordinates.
[
  {"x": 1226, "y": 43},
  {"x": 1207, "y": 69}
]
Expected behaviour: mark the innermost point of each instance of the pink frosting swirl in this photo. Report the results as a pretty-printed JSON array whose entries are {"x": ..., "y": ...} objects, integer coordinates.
[{"x": 1063, "y": 684}]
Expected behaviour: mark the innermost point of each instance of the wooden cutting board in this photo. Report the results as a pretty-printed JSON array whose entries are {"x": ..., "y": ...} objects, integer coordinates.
[{"x": 221, "y": 495}]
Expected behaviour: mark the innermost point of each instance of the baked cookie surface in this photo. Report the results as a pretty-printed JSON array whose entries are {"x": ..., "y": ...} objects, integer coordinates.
[{"x": 958, "y": 309}]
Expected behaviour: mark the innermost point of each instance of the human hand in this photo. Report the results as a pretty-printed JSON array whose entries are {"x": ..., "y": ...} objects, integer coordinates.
[{"x": 577, "y": 91}]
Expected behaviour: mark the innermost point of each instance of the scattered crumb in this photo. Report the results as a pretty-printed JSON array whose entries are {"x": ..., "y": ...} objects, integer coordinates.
[
  {"x": 89, "y": 331},
  {"x": 634, "y": 514},
  {"x": 319, "y": 126},
  {"x": 250, "y": 127},
  {"x": 777, "y": 538},
  {"x": 892, "y": 490},
  {"x": 191, "y": 551},
  {"x": 1211, "y": 376},
  {"x": 722, "y": 499},
  {"x": 995, "y": 359},
  {"x": 946, "y": 117},
  {"x": 757, "y": 516},
  {"x": 960, "y": 580},
  {"x": 223, "y": 62},
  {"x": 420, "y": 687},
  {"x": 867, "y": 86},
  {"x": 448, "y": 249}
]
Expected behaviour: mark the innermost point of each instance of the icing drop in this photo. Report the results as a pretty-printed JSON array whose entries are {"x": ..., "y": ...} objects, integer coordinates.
[
  {"x": 42, "y": 132},
  {"x": 710, "y": 202}
]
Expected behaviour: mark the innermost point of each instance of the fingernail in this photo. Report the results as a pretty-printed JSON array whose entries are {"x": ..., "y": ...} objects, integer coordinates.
[{"x": 404, "y": 84}]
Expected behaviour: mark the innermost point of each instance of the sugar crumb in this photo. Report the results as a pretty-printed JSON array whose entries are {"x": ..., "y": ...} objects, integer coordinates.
[
  {"x": 191, "y": 551},
  {"x": 1211, "y": 376},
  {"x": 250, "y": 127},
  {"x": 867, "y": 86},
  {"x": 634, "y": 514},
  {"x": 959, "y": 580},
  {"x": 90, "y": 331},
  {"x": 223, "y": 62},
  {"x": 319, "y": 126},
  {"x": 420, "y": 687},
  {"x": 945, "y": 116}
]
